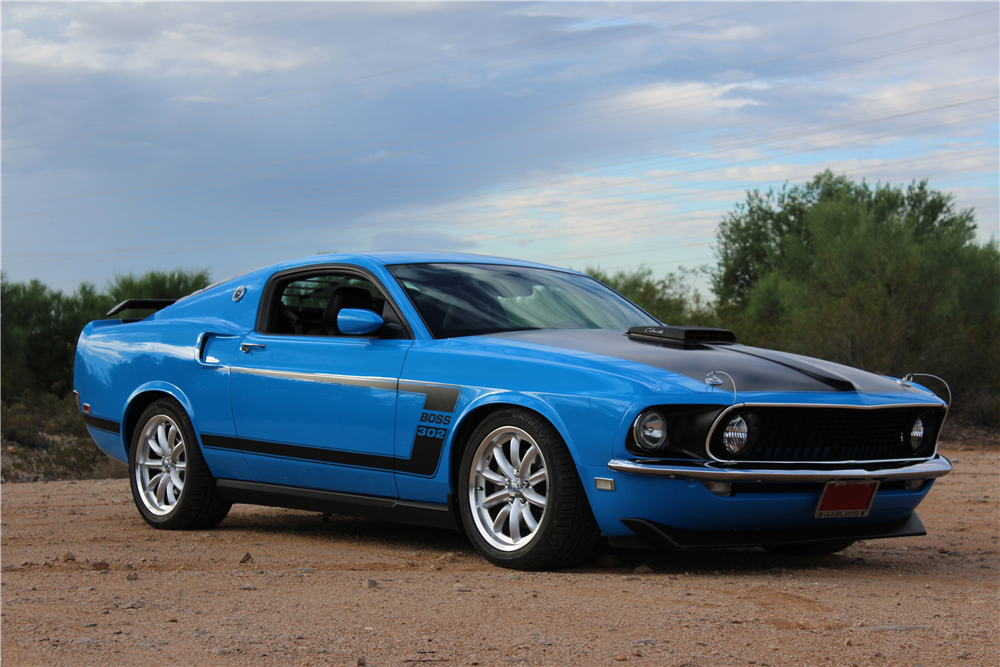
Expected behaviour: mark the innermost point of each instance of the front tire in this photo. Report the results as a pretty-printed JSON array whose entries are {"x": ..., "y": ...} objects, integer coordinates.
[
  {"x": 171, "y": 483},
  {"x": 521, "y": 500}
]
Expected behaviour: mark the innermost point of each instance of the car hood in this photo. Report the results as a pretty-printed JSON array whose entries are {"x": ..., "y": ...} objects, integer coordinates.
[{"x": 751, "y": 368}]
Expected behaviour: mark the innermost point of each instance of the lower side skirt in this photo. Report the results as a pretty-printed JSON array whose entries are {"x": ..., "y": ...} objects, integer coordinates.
[
  {"x": 651, "y": 534},
  {"x": 328, "y": 502}
]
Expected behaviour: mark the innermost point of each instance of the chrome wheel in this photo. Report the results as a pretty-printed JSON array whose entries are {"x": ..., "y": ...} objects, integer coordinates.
[
  {"x": 508, "y": 484},
  {"x": 519, "y": 494},
  {"x": 161, "y": 465},
  {"x": 171, "y": 483}
]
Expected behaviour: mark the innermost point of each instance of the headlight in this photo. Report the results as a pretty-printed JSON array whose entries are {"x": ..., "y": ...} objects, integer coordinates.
[
  {"x": 650, "y": 430},
  {"x": 740, "y": 432}
]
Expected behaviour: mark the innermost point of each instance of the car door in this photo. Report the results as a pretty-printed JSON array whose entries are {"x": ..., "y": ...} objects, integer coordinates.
[{"x": 315, "y": 408}]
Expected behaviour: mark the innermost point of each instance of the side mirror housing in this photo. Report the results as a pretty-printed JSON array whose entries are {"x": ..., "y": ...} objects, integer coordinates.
[{"x": 358, "y": 321}]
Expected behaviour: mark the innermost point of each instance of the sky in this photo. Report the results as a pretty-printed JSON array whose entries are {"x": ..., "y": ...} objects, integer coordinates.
[{"x": 233, "y": 135}]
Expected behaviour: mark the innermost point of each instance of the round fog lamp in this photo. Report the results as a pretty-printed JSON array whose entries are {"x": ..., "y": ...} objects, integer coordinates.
[
  {"x": 650, "y": 430},
  {"x": 917, "y": 433},
  {"x": 740, "y": 433},
  {"x": 735, "y": 435}
]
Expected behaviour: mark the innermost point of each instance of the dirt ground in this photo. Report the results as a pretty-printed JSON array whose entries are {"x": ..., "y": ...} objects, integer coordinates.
[{"x": 86, "y": 582}]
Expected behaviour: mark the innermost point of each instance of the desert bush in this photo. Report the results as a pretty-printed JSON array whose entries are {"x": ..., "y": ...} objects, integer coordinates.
[
  {"x": 882, "y": 278},
  {"x": 44, "y": 437},
  {"x": 42, "y": 431},
  {"x": 671, "y": 299},
  {"x": 31, "y": 420},
  {"x": 60, "y": 458}
]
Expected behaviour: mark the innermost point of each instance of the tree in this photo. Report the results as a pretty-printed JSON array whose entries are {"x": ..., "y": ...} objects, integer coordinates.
[
  {"x": 670, "y": 299},
  {"x": 39, "y": 326},
  {"x": 752, "y": 240},
  {"x": 885, "y": 279},
  {"x": 157, "y": 284}
]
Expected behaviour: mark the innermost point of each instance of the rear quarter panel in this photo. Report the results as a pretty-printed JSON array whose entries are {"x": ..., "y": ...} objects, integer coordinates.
[{"x": 120, "y": 366}]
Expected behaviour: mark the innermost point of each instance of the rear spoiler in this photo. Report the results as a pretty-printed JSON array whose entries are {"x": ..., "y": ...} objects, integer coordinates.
[{"x": 140, "y": 304}]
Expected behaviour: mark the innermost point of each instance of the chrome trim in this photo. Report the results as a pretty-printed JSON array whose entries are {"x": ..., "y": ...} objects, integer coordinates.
[
  {"x": 718, "y": 420},
  {"x": 708, "y": 470},
  {"x": 424, "y": 382},
  {"x": 389, "y": 384}
]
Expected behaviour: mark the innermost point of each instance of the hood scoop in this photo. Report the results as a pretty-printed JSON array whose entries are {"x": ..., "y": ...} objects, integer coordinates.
[{"x": 682, "y": 336}]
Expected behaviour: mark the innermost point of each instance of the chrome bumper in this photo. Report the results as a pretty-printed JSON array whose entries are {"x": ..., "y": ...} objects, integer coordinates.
[{"x": 939, "y": 466}]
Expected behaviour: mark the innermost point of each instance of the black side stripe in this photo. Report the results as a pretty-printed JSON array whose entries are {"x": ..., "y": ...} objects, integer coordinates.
[
  {"x": 424, "y": 455},
  {"x": 303, "y": 452},
  {"x": 439, "y": 397},
  {"x": 102, "y": 424}
]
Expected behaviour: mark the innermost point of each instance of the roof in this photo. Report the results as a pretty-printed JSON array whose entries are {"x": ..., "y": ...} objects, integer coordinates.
[{"x": 409, "y": 257}]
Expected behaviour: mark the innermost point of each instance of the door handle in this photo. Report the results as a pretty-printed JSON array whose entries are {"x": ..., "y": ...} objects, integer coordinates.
[{"x": 246, "y": 347}]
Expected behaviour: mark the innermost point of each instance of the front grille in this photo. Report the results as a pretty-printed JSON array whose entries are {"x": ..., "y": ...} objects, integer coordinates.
[{"x": 831, "y": 434}]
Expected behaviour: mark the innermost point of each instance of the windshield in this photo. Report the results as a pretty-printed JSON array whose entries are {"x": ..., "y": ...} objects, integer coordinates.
[{"x": 474, "y": 299}]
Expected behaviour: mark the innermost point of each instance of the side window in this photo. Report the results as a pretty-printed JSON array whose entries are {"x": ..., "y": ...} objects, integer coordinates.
[{"x": 308, "y": 304}]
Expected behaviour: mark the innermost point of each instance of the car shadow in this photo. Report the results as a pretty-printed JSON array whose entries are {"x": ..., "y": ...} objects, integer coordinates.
[
  {"x": 728, "y": 561},
  {"x": 386, "y": 535},
  {"x": 403, "y": 540}
]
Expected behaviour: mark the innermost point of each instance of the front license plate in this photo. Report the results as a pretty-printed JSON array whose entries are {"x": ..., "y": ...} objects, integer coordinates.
[{"x": 846, "y": 498}]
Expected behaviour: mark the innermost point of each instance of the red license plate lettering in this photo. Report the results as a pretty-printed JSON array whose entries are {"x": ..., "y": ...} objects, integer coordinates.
[{"x": 848, "y": 498}]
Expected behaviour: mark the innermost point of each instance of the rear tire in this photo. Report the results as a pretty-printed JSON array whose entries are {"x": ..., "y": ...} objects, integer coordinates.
[
  {"x": 811, "y": 548},
  {"x": 171, "y": 483},
  {"x": 521, "y": 500}
]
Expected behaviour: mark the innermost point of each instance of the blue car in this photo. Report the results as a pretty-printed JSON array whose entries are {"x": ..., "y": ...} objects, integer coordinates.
[{"x": 533, "y": 407}]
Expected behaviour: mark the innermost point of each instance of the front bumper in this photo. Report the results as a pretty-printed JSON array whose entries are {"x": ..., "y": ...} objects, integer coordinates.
[{"x": 715, "y": 471}]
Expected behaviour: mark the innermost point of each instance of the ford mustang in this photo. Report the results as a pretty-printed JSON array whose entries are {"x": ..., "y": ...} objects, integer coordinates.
[{"x": 533, "y": 407}]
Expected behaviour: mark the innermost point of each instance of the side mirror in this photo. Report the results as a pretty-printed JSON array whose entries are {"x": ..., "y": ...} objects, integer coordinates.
[{"x": 358, "y": 321}]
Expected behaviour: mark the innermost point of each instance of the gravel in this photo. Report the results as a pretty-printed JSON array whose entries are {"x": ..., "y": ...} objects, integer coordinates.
[{"x": 348, "y": 591}]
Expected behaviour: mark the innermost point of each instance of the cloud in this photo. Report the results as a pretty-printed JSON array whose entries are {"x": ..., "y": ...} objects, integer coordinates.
[
  {"x": 164, "y": 40},
  {"x": 237, "y": 134},
  {"x": 204, "y": 98},
  {"x": 701, "y": 98}
]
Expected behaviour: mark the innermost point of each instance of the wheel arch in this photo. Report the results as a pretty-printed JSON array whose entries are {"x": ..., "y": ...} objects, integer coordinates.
[
  {"x": 142, "y": 398},
  {"x": 480, "y": 411}
]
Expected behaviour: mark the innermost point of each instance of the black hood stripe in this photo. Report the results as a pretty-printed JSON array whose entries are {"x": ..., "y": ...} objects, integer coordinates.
[
  {"x": 752, "y": 369},
  {"x": 834, "y": 381}
]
